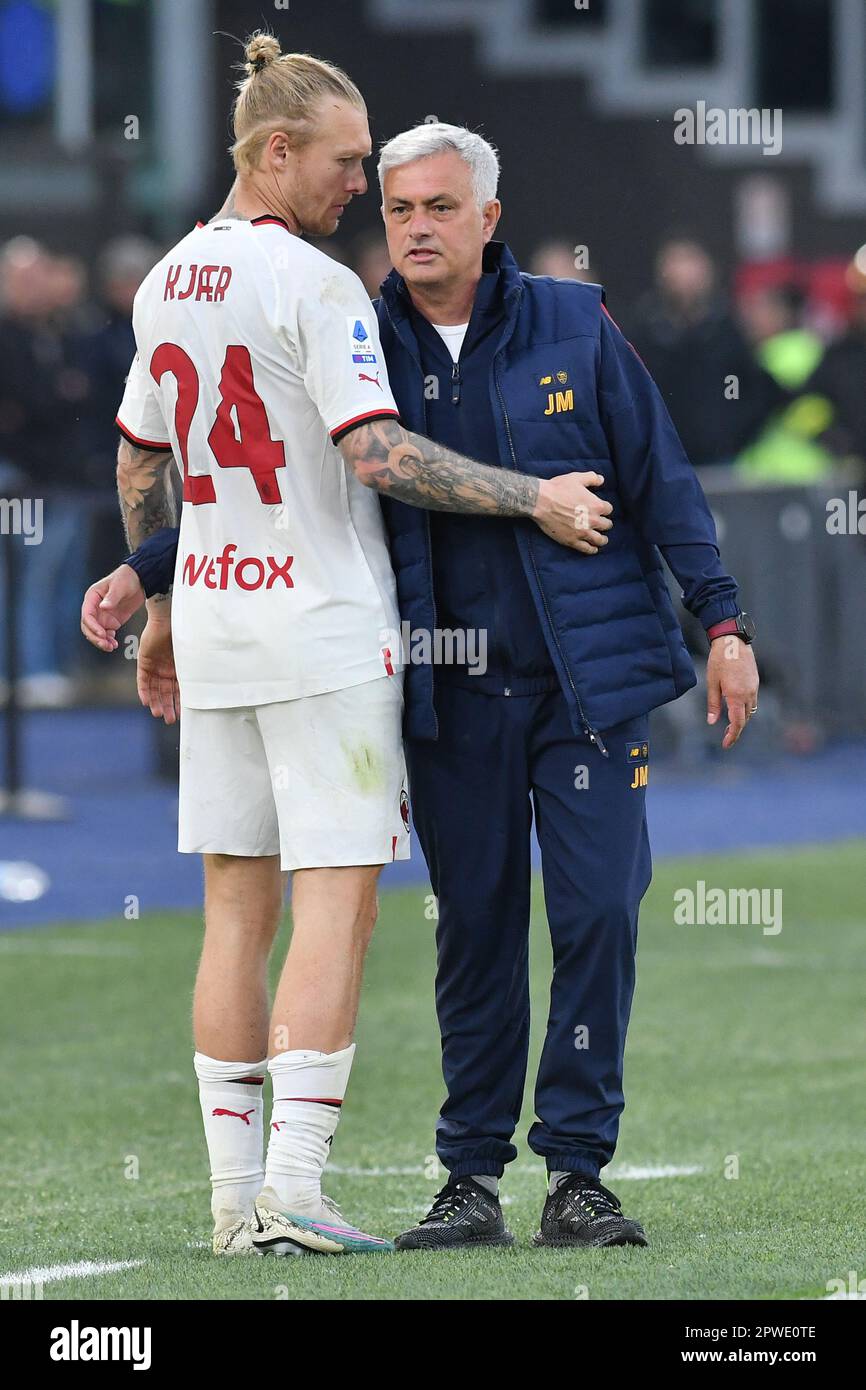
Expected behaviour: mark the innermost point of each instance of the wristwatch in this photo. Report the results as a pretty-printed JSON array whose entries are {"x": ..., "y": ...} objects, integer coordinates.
[{"x": 741, "y": 626}]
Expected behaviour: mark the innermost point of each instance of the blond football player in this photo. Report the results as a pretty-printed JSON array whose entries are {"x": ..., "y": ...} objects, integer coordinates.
[{"x": 259, "y": 373}]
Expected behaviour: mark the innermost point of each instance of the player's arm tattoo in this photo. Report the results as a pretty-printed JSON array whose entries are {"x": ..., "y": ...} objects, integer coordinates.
[
  {"x": 146, "y": 492},
  {"x": 410, "y": 467}
]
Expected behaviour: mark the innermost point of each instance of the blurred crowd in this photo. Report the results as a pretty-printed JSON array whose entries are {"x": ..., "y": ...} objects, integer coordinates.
[
  {"x": 768, "y": 384},
  {"x": 65, "y": 350},
  {"x": 766, "y": 381}
]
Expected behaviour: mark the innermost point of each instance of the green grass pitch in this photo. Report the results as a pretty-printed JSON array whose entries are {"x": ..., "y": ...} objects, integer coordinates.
[{"x": 743, "y": 1047}]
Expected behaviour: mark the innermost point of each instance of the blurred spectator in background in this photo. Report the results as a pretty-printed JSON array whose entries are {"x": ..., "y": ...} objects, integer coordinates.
[
  {"x": 558, "y": 258},
  {"x": 693, "y": 347},
  {"x": 39, "y": 386},
  {"x": 788, "y": 448},
  {"x": 370, "y": 261},
  {"x": 67, "y": 291},
  {"x": 41, "y": 389},
  {"x": 840, "y": 379},
  {"x": 46, "y": 385},
  {"x": 105, "y": 348}
]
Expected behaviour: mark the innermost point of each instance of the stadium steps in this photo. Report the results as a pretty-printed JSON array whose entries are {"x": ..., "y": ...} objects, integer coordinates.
[{"x": 512, "y": 40}]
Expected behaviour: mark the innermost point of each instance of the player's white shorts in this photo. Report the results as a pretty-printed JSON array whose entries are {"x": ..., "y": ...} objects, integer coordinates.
[{"x": 320, "y": 780}]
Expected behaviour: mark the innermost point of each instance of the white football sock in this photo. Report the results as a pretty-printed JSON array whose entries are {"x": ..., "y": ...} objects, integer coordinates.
[
  {"x": 309, "y": 1088},
  {"x": 232, "y": 1108}
]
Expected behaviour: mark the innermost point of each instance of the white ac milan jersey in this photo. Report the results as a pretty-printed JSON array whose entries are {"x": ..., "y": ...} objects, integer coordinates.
[{"x": 255, "y": 354}]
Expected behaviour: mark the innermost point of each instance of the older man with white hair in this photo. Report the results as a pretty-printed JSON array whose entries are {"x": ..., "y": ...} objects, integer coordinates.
[{"x": 532, "y": 373}]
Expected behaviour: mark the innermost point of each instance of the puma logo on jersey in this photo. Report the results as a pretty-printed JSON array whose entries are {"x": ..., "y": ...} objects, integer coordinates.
[
  {"x": 248, "y": 573},
  {"x": 200, "y": 280},
  {"x": 362, "y": 376},
  {"x": 237, "y": 1114}
]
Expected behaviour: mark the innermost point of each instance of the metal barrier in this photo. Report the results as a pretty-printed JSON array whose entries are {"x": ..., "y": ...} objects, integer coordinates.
[{"x": 800, "y": 562}]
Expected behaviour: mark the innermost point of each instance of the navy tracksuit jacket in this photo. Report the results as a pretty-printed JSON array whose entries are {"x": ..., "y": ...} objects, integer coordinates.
[{"x": 579, "y": 649}]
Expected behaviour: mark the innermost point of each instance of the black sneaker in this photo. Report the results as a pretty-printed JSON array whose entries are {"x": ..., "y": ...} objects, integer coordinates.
[
  {"x": 463, "y": 1213},
  {"x": 583, "y": 1212}
]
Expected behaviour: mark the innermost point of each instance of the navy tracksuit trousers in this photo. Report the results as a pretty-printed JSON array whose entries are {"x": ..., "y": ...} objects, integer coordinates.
[{"x": 497, "y": 760}]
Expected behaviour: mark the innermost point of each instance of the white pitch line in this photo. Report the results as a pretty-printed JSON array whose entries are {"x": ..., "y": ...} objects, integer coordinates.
[
  {"x": 772, "y": 958},
  {"x": 353, "y": 1172},
  {"x": 19, "y": 946},
  {"x": 628, "y": 1173},
  {"x": 634, "y": 1173},
  {"x": 80, "y": 1269}
]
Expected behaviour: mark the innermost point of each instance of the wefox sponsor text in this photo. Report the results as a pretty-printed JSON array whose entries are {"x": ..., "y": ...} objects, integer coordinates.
[{"x": 251, "y": 572}]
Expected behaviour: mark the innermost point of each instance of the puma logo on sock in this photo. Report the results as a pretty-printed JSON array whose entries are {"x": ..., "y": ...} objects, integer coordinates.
[{"x": 236, "y": 1114}]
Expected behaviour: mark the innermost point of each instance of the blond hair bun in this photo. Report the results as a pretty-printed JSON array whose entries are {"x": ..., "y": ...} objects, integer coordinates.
[{"x": 261, "y": 50}]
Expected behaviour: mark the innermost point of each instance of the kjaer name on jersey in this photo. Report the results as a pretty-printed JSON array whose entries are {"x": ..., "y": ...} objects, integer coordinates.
[{"x": 201, "y": 280}]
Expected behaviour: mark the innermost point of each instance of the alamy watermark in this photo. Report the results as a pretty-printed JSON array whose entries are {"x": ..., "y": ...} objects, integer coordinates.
[
  {"x": 846, "y": 516},
  {"x": 729, "y": 907},
  {"x": 23, "y": 1290},
  {"x": 853, "y": 1287},
  {"x": 438, "y": 646},
  {"x": 22, "y": 516},
  {"x": 738, "y": 126},
  {"x": 85, "y": 1343}
]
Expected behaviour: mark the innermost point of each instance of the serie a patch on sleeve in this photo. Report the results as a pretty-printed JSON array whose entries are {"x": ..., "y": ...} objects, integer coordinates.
[
  {"x": 638, "y": 752},
  {"x": 360, "y": 340}
]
